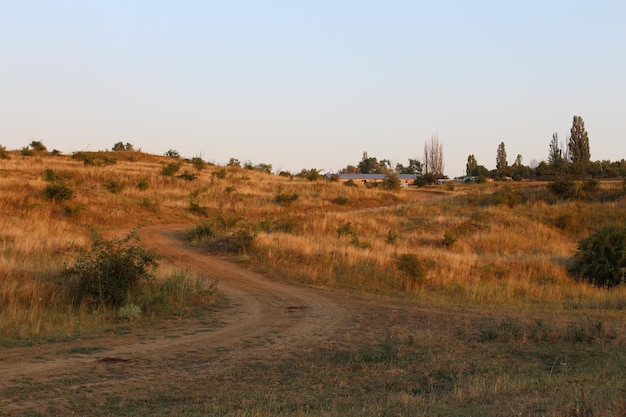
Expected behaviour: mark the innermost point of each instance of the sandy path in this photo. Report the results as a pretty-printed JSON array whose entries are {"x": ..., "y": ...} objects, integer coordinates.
[{"x": 264, "y": 319}]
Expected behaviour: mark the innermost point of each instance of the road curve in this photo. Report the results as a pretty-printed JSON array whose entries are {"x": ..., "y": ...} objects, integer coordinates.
[{"x": 263, "y": 318}]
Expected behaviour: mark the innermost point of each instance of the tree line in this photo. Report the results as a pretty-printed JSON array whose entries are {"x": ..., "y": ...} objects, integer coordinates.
[{"x": 571, "y": 160}]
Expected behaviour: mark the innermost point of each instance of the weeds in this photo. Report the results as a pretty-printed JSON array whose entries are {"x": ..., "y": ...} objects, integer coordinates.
[
  {"x": 58, "y": 192},
  {"x": 109, "y": 270}
]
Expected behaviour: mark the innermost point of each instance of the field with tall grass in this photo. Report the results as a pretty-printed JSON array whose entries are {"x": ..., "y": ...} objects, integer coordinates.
[{"x": 499, "y": 251}]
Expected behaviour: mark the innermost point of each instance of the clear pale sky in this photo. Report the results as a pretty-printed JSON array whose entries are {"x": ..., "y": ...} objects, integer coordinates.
[{"x": 313, "y": 84}]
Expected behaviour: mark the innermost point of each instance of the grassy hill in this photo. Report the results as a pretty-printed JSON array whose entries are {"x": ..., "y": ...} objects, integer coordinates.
[
  {"x": 482, "y": 245},
  {"x": 494, "y": 256}
]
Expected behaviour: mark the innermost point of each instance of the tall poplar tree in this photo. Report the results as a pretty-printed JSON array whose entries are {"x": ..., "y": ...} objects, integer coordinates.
[
  {"x": 578, "y": 147},
  {"x": 555, "y": 157},
  {"x": 501, "y": 162},
  {"x": 472, "y": 165}
]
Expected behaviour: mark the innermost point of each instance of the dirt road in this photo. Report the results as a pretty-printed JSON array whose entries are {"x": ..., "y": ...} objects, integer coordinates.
[{"x": 263, "y": 320}]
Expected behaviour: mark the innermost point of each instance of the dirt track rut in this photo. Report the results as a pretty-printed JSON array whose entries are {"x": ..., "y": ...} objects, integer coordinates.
[{"x": 263, "y": 319}]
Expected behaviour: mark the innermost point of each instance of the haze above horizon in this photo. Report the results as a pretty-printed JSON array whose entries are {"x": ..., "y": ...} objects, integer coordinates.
[{"x": 314, "y": 84}]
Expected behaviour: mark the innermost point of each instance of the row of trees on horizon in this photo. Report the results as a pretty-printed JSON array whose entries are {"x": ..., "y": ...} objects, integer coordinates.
[{"x": 571, "y": 160}]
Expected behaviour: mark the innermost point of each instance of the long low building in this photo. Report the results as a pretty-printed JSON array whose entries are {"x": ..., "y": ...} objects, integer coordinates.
[{"x": 372, "y": 178}]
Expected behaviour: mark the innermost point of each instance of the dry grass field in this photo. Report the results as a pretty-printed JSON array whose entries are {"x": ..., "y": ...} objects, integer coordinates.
[{"x": 446, "y": 301}]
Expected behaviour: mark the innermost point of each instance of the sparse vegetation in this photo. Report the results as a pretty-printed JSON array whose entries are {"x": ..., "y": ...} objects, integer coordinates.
[
  {"x": 170, "y": 169},
  {"x": 58, "y": 191},
  {"x": 106, "y": 274},
  {"x": 601, "y": 257},
  {"x": 501, "y": 296},
  {"x": 4, "y": 154}
]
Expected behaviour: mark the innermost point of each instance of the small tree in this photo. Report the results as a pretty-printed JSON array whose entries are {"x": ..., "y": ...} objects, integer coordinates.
[
  {"x": 106, "y": 272},
  {"x": 501, "y": 162},
  {"x": 471, "y": 166},
  {"x": 391, "y": 182},
  {"x": 38, "y": 146},
  {"x": 172, "y": 154},
  {"x": 601, "y": 258},
  {"x": 4, "y": 154},
  {"x": 555, "y": 156},
  {"x": 433, "y": 157},
  {"x": 579, "y": 145},
  {"x": 121, "y": 147}
]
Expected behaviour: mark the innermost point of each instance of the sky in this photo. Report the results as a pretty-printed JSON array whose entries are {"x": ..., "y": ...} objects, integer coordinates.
[{"x": 305, "y": 84}]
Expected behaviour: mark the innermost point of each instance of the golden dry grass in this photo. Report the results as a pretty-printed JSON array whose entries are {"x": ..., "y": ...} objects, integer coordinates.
[{"x": 331, "y": 236}]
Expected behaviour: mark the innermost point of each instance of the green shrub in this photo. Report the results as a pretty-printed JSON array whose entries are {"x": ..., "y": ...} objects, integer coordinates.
[
  {"x": 420, "y": 181},
  {"x": 94, "y": 158},
  {"x": 199, "y": 232},
  {"x": 350, "y": 183},
  {"x": 109, "y": 270},
  {"x": 285, "y": 199},
  {"x": 4, "y": 154},
  {"x": 391, "y": 182},
  {"x": 227, "y": 237},
  {"x": 346, "y": 230},
  {"x": 49, "y": 175},
  {"x": 411, "y": 265},
  {"x": 220, "y": 174},
  {"x": 170, "y": 169},
  {"x": 340, "y": 201},
  {"x": 392, "y": 237},
  {"x": 449, "y": 238},
  {"x": 72, "y": 211},
  {"x": 198, "y": 163},
  {"x": 508, "y": 196},
  {"x": 143, "y": 184},
  {"x": 114, "y": 186},
  {"x": 601, "y": 257},
  {"x": 58, "y": 191},
  {"x": 38, "y": 146},
  {"x": 188, "y": 176},
  {"x": 26, "y": 151},
  {"x": 151, "y": 204},
  {"x": 563, "y": 188},
  {"x": 171, "y": 153}
]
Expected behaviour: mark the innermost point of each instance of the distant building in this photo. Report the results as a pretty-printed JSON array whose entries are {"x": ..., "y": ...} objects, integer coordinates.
[{"x": 373, "y": 178}]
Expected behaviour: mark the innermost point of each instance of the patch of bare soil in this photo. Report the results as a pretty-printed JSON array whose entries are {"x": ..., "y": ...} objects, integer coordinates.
[{"x": 263, "y": 323}]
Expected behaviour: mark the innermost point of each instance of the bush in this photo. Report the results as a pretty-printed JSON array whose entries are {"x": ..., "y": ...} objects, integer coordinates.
[
  {"x": 114, "y": 186},
  {"x": 38, "y": 146},
  {"x": 171, "y": 153},
  {"x": 49, "y": 175},
  {"x": 508, "y": 196},
  {"x": 411, "y": 265},
  {"x": 340, "y": 201},
  {"x": 201, "y": 231},
  {"x": 4, "y": 154},
  {"x": 350, "y": 183},
  {"x": 188, "y": 176},
  {"x": 58, "y": 191},
  {"x": 285, "y": 199},
  {"x": 94, "y": 158},
  {"x": 106, "y": 273},
  {"x": 170, "y": 169},
  {"x": 601, "y": 258},
  {"x": 143, "y": 184},
  {"x": 220, "y": 174},
  {"x": 420, "y": 181},
  {"x": 198, "y": 163},
  {"x": 391, "y": 182},
  {"x": 449, "y": 238},
  {"x": 563, "y": 187}
]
